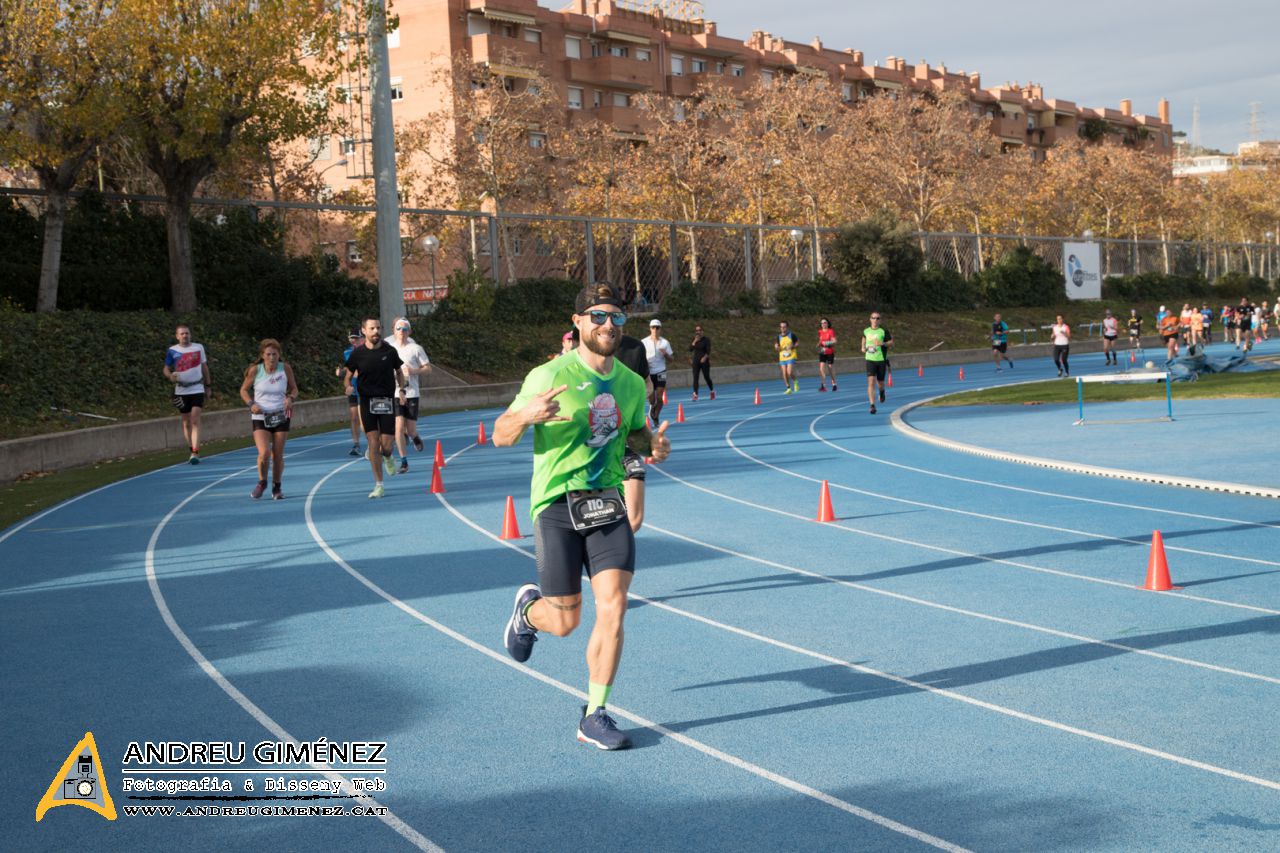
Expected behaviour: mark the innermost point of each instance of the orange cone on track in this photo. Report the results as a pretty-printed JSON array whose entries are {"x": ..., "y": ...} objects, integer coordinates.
[
  {"x": 664, "y": 396},
  {"x": 437, "y": 482},
  {"x": 439, "y": 454},
  {"x": 890, "y": 382},
  {"x": 1157, "y": 567},
  {"x": 480, "y": 439},
  {"x": 510, "y": 530},
  {"x": 825, "y": 512},
  {"x": 679, "y": 413},
  {"x": 962, "y": 374},
  {"x": 1133, "y": 358},
  {"x": 920, "y": 370},
  {"x": 757, "y": 396}
]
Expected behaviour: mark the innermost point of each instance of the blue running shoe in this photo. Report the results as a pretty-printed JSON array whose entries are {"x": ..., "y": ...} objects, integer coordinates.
[
  {"x": 599, "y": 730},
  {"x": 520, "y": 635}
]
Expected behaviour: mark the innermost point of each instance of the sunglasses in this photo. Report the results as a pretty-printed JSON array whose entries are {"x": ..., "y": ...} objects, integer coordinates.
[
  {"x": 875, "y": 316},
  {"x": 598, "y": 317},
  {"x": 402, "y": 328}
]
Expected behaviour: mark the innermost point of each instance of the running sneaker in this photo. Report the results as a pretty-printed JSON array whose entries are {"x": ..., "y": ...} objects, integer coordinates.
[
  {"x": 822, "y": 389},
  {"x": 195, "y": 459},
  {"x": 276, "y": 493},
  {"x": 417, "y": 443},
  {"x": 520, "y": 636},
  {"x": 713, "y": 395},
  {"x": 881, "y": 395},
  {"x": 377, "y": 491},
  {"x": 599, "y": 730},
  {"x": 788, "y": 391},
  {"x": 833, "y": 387},
  {"x": 1011, "y": 365},
  {"x": 355, "y": 450},
  {"x": 795, "y": 386},
  {"x": 388, "y": 466},
  {"x": 404, "y": 465},
  {"x": 873, "y": 408},
  {"x": 258, "y": 489},
  {"x": 695, "y": 396}
]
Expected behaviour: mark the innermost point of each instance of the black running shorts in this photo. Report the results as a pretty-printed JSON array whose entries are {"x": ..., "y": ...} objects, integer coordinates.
[
  {"x": 563, "y": 552},
  {"x": 384, "y": 424},
  {"x": 408, "y": 411},
  {"x": 827, "y": 358},
  {"x": 184, "y": 403},
  {"x": 878, "y": 369},
  {"x": 259, "y": 424},
  {"x": 1002, "y": 347}
]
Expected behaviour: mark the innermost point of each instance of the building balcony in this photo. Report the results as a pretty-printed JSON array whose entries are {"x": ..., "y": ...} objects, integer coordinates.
[
  {"x": 492, "y": 49},
  {"x": 614, "y": 71},
  {"x": 685, "y": 85},
  {"x": 622, "y": 119}
]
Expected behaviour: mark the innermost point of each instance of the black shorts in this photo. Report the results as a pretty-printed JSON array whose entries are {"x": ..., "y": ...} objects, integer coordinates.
[
  {"x": 633, "y": 466},
  {"x": 1111, "y": 338},
  {"x": 827, "y": 358},
  {"x": 1168, "y": 338},
  {"x": 353, "y": 400},
  {"x": 184, "y": 403},
  {"x": 878, "y": 369},
  {"x": 562, "y": 552},
  {"x": 261, "y": 425},
  {"x": 384, "y": 424},
  {"x": 659, "y": 379},
  {"x": 1003, "y": 346},
  {"x": 408, "y": 411}
]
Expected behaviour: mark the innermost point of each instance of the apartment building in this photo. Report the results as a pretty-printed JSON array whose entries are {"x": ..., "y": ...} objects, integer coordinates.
[{"x": 600, "y": 54}]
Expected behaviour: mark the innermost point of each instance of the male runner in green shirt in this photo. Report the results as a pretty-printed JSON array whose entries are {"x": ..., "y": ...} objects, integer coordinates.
[
  {"x": 585, "y": 408},
  {"x": 875, "y": 341}
]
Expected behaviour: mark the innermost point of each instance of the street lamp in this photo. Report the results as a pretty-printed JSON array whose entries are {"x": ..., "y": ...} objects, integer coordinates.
[
  {"x": 1270, "y": 259},
  {"x": 1088, "y": 235},
  {"x": 796, "y": 236},
  {"x": 431, "y": 245}
]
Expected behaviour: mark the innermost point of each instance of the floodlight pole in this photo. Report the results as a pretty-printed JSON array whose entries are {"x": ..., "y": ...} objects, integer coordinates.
[{"x": 386, "y": 191}]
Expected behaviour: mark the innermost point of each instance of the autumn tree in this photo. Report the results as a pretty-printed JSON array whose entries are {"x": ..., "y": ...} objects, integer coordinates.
[
  {"x": 206, "y": 80},
  {"x": 57, "y": 104}
]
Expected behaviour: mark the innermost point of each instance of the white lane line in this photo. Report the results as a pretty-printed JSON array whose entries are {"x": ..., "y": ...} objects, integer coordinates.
[
  {"x": 937, "y": 548},
  {"x": 401, "y": 828},
  {"x": 685, "y": 740},
  {"x": 906, "y": 682},
  {"x": 982, "y": 515},
  {"x": 1066, "y": 635}
]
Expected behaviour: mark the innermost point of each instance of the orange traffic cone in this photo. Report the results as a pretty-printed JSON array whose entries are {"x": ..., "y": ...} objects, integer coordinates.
[
  {"x": 439, "y": 454},
  {"x": 890, "y": 382},
  {"x": 1132, "y": 357},
  {"x": 679, "y": 413},
  {"x": 1157, "y": 567},
  {"x": 962, "y": 374},
  {"x": 510, "y": 530},
  {"x": 480, "y": 439},
  {"x": 664, "y": 396},
  {"x": 437, "y": 482},
  {"x": 757, "y": 396},
  {"x": 920, "y": 370},
  {"x": 825, "y": 512}
]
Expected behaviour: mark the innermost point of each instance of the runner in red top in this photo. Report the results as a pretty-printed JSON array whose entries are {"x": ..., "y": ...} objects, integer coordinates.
[{"x": 826, "y": 353}]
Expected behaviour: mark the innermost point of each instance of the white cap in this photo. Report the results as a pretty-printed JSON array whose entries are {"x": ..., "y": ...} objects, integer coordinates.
[{"x": 655, "y": 322}]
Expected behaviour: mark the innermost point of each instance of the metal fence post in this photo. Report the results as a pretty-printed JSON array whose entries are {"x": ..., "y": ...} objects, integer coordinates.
[
  {"x": 591, "y": 252},
  {"x": 813, "y": 255},
  {"x": 748, "y": 270},
  {"x": 675, "y": 256},
  {"x": 494, "y": 272}
]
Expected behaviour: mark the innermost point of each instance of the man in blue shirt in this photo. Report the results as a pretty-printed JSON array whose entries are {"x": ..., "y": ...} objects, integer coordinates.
[
  {"x": 1000, "y": 341},
  {"x": 355, "y": 339}
]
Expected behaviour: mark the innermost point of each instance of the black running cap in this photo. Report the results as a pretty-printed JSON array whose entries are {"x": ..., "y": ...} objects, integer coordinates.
[{"x": 595, "y": 294}]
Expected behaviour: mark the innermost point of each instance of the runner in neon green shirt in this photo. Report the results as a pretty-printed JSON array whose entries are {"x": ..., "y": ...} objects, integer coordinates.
[
  {"x": 876, "y": 341},
  {"x": 585, "y": 408}
]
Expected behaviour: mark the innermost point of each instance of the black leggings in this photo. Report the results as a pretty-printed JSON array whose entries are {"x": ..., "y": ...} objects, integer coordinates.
[
  {"x": 705, "y": 369},
  {"x": 655, "y": 401},
  {"x": 1060, "y": 354}
]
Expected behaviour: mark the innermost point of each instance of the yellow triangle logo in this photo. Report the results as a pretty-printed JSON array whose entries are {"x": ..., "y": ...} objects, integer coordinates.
[{"x": 80, "y": 782}]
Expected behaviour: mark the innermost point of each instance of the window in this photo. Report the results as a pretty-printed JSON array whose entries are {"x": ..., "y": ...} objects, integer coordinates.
[
  {"x": 533, "y": 36},
  {"x": 329, "y": 248},
  {"x": 597, "y": 98},
  {"x": 699, "y": 66},
  {"x": 719, "y": 67},
  {"x": 643, "y": 54},
  {"x": 677, "y": 66},
  {"x": 846, "y": 92},
  {"x": 319, "y": 147},
  {"x": 597, "y": 49},
  {"x": 621, "y": 100},
  {"x": 541, "y": 247},
  {"x": 537, "y": 140},
  {"x": 737, "y": 70},
  {"x": 504, "y": 29},
  {"x": 678, "y": 110},
  {"x": 575, "y": 98},
  {"x": 573, "y": 48},
  {"x": 477, "y": 25},
  {"x": 353, "y": 252},
  {"x": 619, "y": 51},
  {"x": 397, "y": 88},
  {"x": 348, "y": 146},
  {"x": 393, "y": 38},
  {"x": 766, "y": 77}
]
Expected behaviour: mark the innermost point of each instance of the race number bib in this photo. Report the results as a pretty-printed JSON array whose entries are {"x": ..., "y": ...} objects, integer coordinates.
[
  {"x": 271, "y": 420},
  {"x": 380, "y": 406},
  {"x": 595, "y": 508}
]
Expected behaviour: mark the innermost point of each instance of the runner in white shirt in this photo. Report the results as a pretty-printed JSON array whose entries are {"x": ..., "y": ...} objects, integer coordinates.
[
  {"x": 416, "y": 364},
  {"x": 1110, "y": 330},
  {"x": 187, "y": 366},
  {"x": 659, "y": 352},
  {"x": 1061, "y": 345}
]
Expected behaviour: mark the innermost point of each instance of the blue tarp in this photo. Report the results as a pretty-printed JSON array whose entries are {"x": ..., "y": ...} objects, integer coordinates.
[{"x": 1187, "y": 368}]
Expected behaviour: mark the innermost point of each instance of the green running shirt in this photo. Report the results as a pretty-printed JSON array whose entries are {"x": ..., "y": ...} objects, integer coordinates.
[
  {"x": 584, "y": 452},
  {"x": 873, "y": 342}
]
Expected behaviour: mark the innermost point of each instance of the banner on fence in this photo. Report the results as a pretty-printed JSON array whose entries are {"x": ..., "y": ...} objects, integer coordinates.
[{"x": 1082, "y": 270}]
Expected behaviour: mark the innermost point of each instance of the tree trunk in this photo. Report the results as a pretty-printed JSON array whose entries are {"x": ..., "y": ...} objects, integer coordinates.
[
  {"x": 55, "y": 218},
  {"x": 177, "y": 221}
]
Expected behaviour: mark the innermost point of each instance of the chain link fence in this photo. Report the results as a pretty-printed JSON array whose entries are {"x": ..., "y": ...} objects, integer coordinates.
[{"x": 645, "y": 259}]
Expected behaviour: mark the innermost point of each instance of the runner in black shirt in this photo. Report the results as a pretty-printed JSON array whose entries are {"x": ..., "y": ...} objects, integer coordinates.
[
  {"x": 631, "y": 352},
  {"x": 376, "y": 366},
  {"x": 700, "y": 361}
]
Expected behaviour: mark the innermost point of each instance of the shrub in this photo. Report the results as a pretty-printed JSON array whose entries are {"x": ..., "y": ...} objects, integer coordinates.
[
  {"x": 1154, "y": 287},
  {"x": 471, "y": 296},
  {"x": 941, "y": 289},
  {"x": 1021, "y": 279},
  {"x": 537, "y": 300},
  {"x": 748, "y": 302},
  {"x": 1233, "y": 285},
  {"x": 686, "y": 301},
  {"x": 818, "y": 296},
  {"x": 879, "y": 260}
]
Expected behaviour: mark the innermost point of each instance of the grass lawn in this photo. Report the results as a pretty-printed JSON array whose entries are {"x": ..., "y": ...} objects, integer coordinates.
[{"x": 1261, "y": 383}]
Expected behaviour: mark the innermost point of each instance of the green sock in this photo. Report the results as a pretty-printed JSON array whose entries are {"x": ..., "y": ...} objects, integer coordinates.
[{"x": 597, "y": 695}]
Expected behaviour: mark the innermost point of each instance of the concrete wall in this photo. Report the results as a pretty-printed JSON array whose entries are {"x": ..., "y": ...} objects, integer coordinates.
[{"x": 73, "y": 448}]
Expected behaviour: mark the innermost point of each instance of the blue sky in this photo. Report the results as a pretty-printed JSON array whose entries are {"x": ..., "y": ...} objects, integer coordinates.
[{"x": 1091, "y": 52}]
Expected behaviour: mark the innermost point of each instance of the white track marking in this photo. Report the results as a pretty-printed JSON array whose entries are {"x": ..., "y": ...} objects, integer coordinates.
[
  {"x": 401, "y": 828},
  {"x": 685, "y": 740},
  {"x": 906, "y": 682}
]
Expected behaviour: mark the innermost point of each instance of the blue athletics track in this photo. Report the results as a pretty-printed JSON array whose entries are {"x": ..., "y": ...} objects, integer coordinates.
[{"x": 961, "y": 660}]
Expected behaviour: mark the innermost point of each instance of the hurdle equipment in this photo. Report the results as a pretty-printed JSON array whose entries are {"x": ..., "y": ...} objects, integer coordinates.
[
  {"x": 510, "y": 530},
  {"x": 437, "y": 482},
  {"x": 439, "y": 454},
  {"x": 679, "y": 413},
  {"x": 480, "y": 438},
  {"x": 1128, "y": 376},
  {"x": 1158, "y": 567},
  {"x": 825, "y": 512}
]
